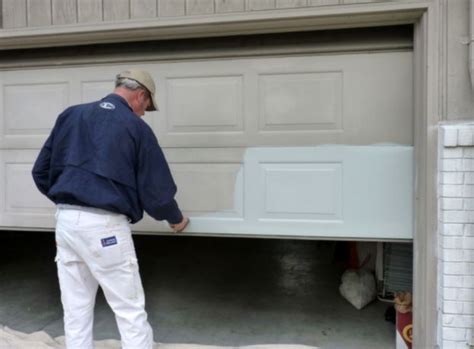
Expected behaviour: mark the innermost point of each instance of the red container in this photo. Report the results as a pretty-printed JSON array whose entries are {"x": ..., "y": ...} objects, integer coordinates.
[{"x": 404, "y": 330}]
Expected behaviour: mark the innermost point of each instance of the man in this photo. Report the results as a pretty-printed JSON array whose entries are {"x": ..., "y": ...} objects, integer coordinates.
[{"x": 102, "y": 166}]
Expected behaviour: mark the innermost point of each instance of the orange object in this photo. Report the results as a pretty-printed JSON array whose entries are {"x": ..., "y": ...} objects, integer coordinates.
[{"x": 403, "y": 307}]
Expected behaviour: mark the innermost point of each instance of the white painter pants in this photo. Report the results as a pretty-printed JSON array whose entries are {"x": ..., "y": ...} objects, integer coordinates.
[{"x": 95, "y": 248}]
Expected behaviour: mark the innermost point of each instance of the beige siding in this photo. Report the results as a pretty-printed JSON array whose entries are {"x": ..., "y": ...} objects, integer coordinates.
[
  {"x": 143, "y": 8},
  {"x": 172, "y": 8},
  {"x": 14, "y": 13},
  {"x": 39, "y": 13},
  {"x": 64, "y": 11},
  {"x": 32, "y": 13},
  {"x": 89, "y": 11},
  {"x": 230, "y": 6},
  {"x": 291, "y": 3},
  {"x": 199, "y": 7},
  {"x": 324, "y": 2},
  {"x": 255, "y": 5},
  {"x": 116, "y": 10}
]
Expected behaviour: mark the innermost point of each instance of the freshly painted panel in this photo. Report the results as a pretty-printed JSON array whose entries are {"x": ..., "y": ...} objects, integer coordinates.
[
  {"x": 45, "y": 102},
  {"x": 64, "y": 11},
  {"x": 39, "y": 13},
  {"x": 338, "y": 192},
  {"x": 14, "y": 13},
  {"x": 89, "y": 11},
  {"x": 367, "y": 191},
  {"x": 301, "y": 190},
  {"x": 143, "y": 8}
]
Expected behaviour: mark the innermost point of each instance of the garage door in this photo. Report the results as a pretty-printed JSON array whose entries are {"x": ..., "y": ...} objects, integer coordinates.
[{"x": 298, "y": 146}]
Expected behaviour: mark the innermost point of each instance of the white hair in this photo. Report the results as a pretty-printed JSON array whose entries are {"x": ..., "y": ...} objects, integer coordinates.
[{"x": 129, "y": 84}]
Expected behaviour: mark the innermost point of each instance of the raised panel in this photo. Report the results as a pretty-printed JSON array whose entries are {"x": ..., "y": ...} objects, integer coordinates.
[
  {"x": 302, "y": 101},
  {"x": 21, "y": 204},
  {"x": 209, "y": 189},
  {"x": 332, "y": 191},
  {"x": 301, "y": 190},
  {"x": 95, "y": 90},
  {"x": 29, "y": 199},
  {"x": 205, "y": 104},
  {"x": 37, "y": 115}
]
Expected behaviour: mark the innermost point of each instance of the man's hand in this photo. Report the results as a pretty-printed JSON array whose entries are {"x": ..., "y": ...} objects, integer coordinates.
[{"x": 178, "y": 228}]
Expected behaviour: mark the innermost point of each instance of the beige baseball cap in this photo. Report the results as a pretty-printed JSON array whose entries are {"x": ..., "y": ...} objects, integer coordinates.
[{"x": 144, "y": 79}]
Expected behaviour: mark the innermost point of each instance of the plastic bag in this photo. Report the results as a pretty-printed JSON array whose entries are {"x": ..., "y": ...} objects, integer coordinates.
[{"x": 358, "y": 287}]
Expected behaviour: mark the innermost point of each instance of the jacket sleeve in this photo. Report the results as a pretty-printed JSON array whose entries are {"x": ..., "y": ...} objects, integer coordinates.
[
  {"x": 156, "y": 187},
  {"x": 41, "y": 168}
]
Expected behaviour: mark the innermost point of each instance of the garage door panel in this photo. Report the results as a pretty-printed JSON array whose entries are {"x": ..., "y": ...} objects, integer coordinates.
[
  {"x": 205, "y": 104},
  {"x": 259, "y": 146},
  {"x": 301, "y": 101},
  {"x": 210, "y": 189},
  {"x": 21, "y": 204},
  {"x": 301, "y": 190}
]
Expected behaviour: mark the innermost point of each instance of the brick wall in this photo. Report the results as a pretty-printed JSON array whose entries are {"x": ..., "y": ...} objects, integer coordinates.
[{"x": 456, "y": 240}]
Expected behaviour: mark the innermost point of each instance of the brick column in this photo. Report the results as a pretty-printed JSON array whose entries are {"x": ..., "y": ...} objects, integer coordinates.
[{"x": 456, "y": 236}]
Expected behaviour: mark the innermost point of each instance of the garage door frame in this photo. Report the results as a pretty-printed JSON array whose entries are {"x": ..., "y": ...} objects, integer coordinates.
[{"x": 426, "y": 20}]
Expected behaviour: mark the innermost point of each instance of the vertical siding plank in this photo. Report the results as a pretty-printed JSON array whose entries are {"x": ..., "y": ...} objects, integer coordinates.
[
  {"x": 39, "y": 13},
  {"x": 89, "y": 11},
  {"x": 64, "y": 11},
  {"x": 255, "y": 5},
  {"x": 143, "y": 8},
  {"x": 324, "y": 2},
  {"x": 359, "y": 1},
  {"x": 170, "y": 8},
  {"x": 14, "y": 13},
  {"x": 291, "y": 3},
  {"x": 199, "y": 7},
  {"x": 116, "y": 10},
  {"x": 223, "y": 6}
]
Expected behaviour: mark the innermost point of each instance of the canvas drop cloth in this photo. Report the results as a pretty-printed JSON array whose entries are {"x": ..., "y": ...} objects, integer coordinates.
[{"x": 11, "y": 339}]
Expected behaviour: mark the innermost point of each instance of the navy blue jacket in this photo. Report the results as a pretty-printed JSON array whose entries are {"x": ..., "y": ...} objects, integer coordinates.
[{"x": 103, "y": 155}]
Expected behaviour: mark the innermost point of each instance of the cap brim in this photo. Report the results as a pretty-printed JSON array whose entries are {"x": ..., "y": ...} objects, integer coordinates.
[{"x": 154, "y": 105}]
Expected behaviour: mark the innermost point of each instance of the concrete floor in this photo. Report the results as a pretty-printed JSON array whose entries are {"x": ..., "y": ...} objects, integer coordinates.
[{"x": 210, "y": 291}]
